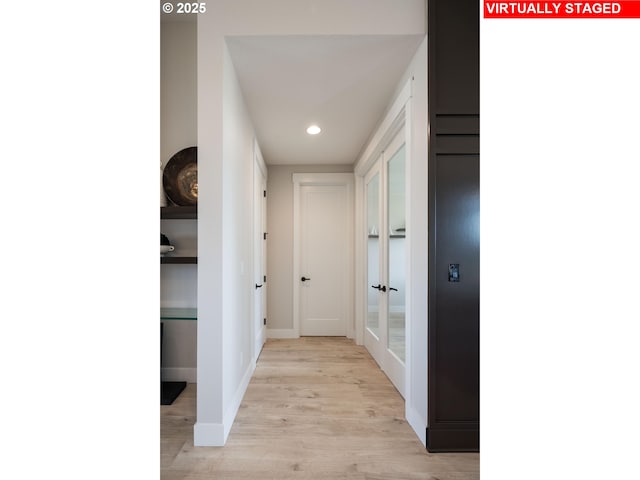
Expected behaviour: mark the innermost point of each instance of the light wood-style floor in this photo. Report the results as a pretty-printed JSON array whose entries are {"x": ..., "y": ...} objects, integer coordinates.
[{"x": 316, "y": 408}]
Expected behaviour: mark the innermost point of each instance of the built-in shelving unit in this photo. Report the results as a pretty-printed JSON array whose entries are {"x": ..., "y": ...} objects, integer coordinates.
[
  {"x": 170, "y": 390},
  {"x": 179, "y": 213}
]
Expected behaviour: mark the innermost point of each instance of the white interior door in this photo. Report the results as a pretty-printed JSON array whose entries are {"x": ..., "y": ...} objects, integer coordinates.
[
  {"x": 323, "y": 277},
  {"x": 260, "y": 259},
  {"x": 385, "y": 324}
]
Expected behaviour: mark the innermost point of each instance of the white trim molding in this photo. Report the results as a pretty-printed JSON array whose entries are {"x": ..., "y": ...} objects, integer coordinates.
[
  {"x": 257, "y": 154},
  {"x": 282, "y": 333},
  {"x": 394, "y": 120}
]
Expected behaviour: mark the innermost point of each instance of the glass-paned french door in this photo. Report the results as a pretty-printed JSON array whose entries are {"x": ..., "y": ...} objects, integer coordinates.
[{"x": 385, "y": 326}]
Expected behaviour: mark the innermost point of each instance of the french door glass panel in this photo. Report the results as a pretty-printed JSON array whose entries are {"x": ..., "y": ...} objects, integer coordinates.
[
  {"x": 373, "y": 254},
  {"x": 396, "y": 253}
]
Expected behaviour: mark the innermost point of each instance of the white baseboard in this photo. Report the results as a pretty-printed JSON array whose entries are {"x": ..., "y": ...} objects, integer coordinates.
[
  {"x": 216, "y": 434},
  {"x": 282, "y": 333},
  {"x": 176, "y": 374},
  {"x": 208, "y": 435},
  {"x": 417, "y": 424},
  {"x": 232, "y": 410}
]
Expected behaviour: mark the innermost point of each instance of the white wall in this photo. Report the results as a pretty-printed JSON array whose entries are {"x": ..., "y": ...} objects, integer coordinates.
[
  {"x": 226, "y": 282},
  {"x": 209, "y": 428},
  {"x": 220, "y": 298},
  {"x": 237, "y": 234},
  {"x": 280, "y": 242},
  {"x": 178, "y": 87},
  {"x": 178, "y": 127},
  {"x": 229, "y": 355}
]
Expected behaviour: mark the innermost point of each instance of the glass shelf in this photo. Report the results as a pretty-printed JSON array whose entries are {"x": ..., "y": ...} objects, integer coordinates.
[{"x": 178, "y": 314}]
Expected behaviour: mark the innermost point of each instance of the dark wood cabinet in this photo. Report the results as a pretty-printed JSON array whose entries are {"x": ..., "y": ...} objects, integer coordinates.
[{"x": 454, "y": 233}]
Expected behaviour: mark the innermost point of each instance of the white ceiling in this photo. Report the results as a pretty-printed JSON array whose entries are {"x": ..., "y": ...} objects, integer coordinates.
[{"x": 341, "y": 83}]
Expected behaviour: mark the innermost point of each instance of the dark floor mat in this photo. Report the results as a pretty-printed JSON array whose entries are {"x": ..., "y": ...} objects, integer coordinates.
[{"x": 170, "y": 391}]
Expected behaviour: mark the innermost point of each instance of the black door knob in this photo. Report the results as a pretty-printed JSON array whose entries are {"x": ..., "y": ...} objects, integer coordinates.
[
  {"x": 258, "y": 286},
  {"x": 304, "y": 279}
]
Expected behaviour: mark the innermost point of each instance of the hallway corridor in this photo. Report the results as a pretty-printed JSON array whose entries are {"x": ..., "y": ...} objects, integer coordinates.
[{"x": 316, "y": 408}]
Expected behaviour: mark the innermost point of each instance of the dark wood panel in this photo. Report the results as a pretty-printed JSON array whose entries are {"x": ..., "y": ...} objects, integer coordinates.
[
  {"x": 454, "y": 38},
  {"x": 454, "y": 142},
  {"x": 454, "y": 437},
  {"x": 454, "y": 336},
  {"x": 178, "y": 260},
  {"x": 457, "y": 124},
  {"x": 457, "y": 144},
  {"x": 457, "y": 308},
  {"x": 176, "y": 213}
]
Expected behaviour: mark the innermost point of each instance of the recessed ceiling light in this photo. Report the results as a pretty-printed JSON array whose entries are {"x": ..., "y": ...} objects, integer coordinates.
[{"x": 313, "y": 130}]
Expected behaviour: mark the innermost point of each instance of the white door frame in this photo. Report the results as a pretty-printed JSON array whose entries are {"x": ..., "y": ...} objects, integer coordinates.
[{"x": 320, "y": 179}]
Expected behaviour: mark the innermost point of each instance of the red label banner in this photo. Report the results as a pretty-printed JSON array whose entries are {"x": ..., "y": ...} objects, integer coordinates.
[{"x": 561, "y": 9}]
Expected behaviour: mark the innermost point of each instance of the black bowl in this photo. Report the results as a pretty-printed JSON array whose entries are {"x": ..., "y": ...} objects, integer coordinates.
[{"x": 180, "y": 177}]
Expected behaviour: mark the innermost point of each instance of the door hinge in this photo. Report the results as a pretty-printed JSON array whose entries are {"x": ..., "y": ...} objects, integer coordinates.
[
  {"x": 264, "y": 193},
  {"x": 264, "y": 321},
  {"x": 265, "y": 235},
  {"x": 265, "y": 278}
]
